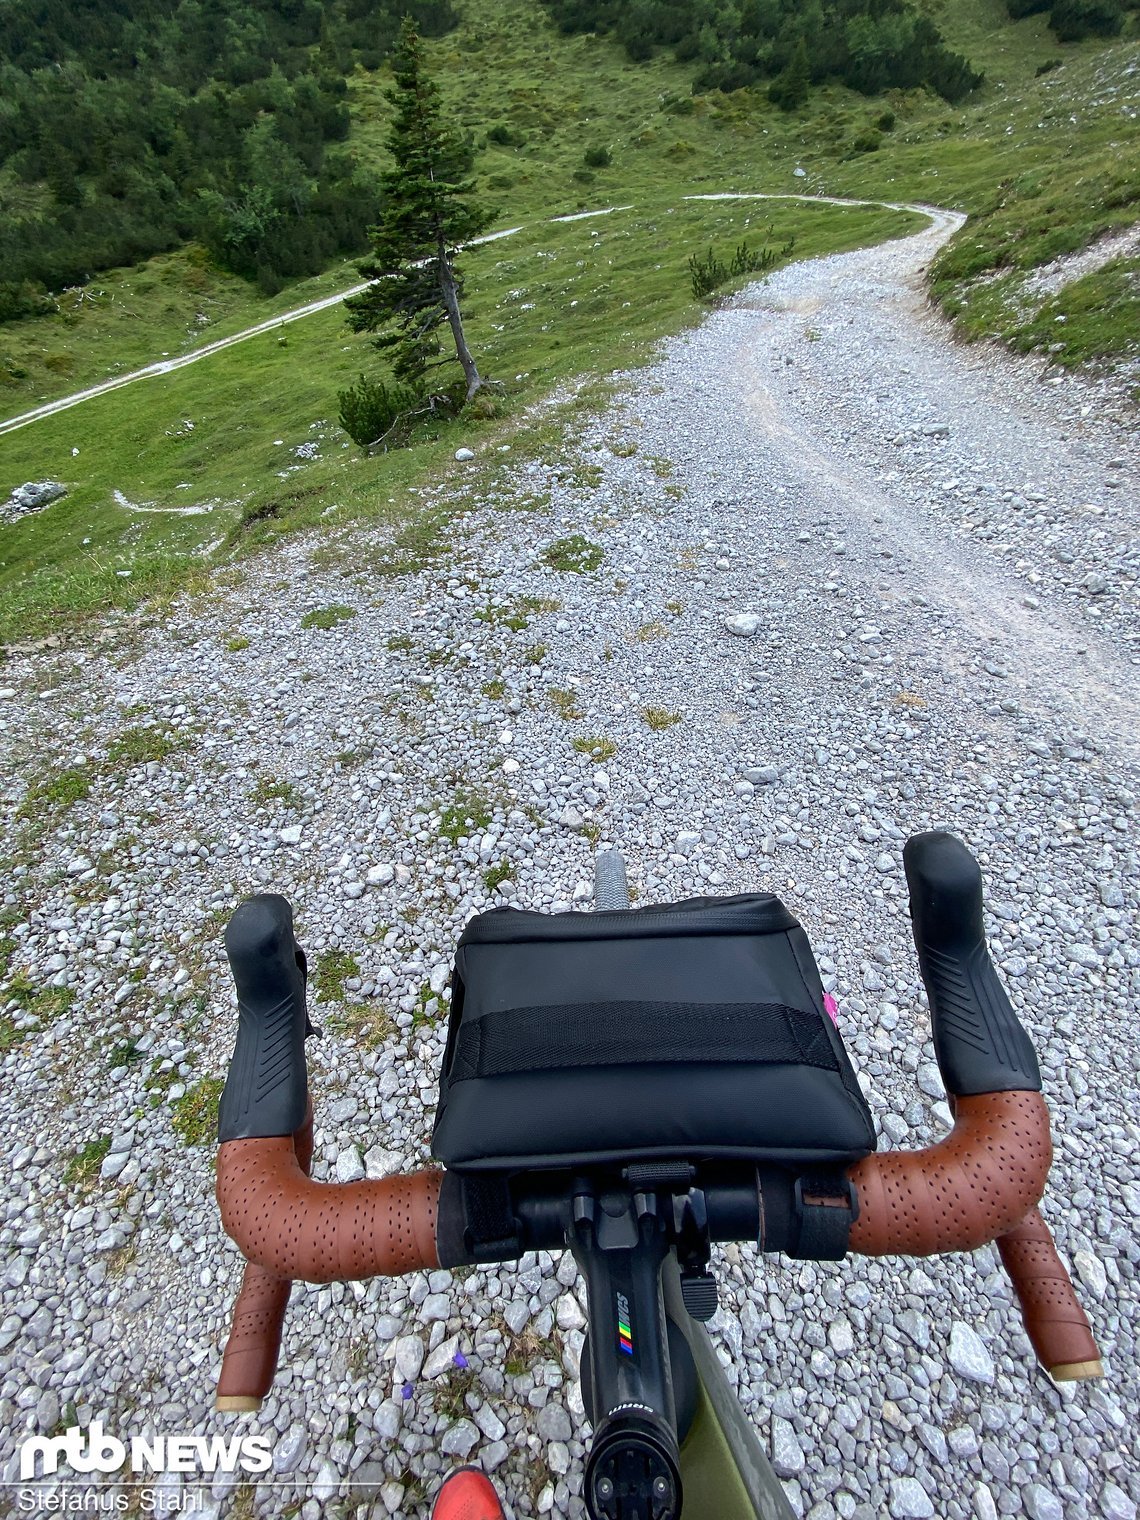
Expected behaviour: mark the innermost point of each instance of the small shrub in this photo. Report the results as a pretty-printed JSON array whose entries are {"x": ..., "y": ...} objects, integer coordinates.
[
  {"x": 327, "y": 617},
  {"x": 583, "y": 176},
  {"x": 706, "y": 274},
  {"x": 650, "y": 631},
  {"x": 1074, "y": 20},
  {"x": 402, "y": 641},
  {"x": 1048, "y": 66},
  {"x": 237, "y": 644},
  {"x": 534, "y": 655},
  {"x": 885, "y": 121},
  {"x": 195, "y": 1114},
  {"x": 506, "y": 136},
  {"x": 495, "y": 689},
  {"x": 24, "y": 300},
  {"x": 659, "y": 718},
  {"x": 867, "y": 141},
  {"x": 574, "y": 554},
  {"x": 679, "y": 105},
  {"x": 598, "y": 157},
  {"x": 372, "y": 412}
]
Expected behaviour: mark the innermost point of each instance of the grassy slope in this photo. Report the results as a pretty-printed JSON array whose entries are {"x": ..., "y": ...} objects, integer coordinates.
[
  {"x": 625, "y": 274},
  {"x": 253, "y": 405}
]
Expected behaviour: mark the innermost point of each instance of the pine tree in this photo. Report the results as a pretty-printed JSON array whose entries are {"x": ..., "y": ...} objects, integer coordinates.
[
  {"x": 427, "y": 215},
  {"x": 790, "y": 90}
]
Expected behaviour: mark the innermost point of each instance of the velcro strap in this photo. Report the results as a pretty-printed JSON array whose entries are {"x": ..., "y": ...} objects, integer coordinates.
[
  {"x": 825, "y": 1209},
  {"x": 491, "y": 1227},
  {"x": 621, "y": 1033}
]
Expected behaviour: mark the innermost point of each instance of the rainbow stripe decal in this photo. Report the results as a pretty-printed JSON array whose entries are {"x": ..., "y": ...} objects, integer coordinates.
[{"x": 625, "y": 1338}]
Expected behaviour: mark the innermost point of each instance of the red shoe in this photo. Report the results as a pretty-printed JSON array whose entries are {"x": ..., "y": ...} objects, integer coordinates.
[{"x": 467, "y": 1494}]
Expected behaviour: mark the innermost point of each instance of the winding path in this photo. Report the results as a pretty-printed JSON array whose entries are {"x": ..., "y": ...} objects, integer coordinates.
[{"x": 946, "y": 223}]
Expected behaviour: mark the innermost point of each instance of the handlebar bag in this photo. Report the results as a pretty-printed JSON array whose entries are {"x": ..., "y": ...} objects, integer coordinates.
[{"x": 692, "y": 1030}]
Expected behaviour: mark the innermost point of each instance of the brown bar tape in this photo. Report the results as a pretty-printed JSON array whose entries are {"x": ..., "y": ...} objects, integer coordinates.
[
  {"x": 1054, "y": 1320},
  {"x": 969, "y": 1188}
]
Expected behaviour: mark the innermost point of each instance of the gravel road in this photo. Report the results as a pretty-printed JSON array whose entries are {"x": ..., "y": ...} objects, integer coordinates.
[{"x": 936, "y": 550}]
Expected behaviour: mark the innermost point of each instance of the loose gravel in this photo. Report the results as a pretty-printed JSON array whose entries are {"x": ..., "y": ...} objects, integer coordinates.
[{"x": 855, "y": 582}]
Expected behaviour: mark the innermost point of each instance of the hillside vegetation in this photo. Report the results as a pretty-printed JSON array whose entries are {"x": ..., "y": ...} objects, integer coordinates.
[
  {"x": 230, "y": 452},
  {"x": 126, "y": 129}
]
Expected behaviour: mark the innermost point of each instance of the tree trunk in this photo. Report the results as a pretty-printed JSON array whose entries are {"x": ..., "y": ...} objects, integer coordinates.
[{"x": 451, "y": 302}]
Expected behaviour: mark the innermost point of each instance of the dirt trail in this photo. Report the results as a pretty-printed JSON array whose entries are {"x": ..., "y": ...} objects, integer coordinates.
[
  {"x": 833, "y": 413},
  {"x": 168, "y": 366}
]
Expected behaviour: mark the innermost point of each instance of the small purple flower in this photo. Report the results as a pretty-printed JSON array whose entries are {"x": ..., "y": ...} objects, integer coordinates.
[
  {"x": 459, "y": 1359},
  {"x": 408, "y": 1391}
]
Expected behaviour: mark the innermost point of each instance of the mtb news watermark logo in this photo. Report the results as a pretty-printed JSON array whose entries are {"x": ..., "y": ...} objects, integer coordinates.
[{"x": 93, "y": 1451}]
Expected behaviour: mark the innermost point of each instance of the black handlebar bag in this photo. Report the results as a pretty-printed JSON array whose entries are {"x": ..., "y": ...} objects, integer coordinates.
[{"x": 695, "y": 1030}]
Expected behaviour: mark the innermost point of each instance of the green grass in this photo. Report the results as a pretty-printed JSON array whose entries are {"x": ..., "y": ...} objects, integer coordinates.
[
  {"x": 597, "y": 749},
  {"x": 54, "y": 792},
  {"x": 83, "y": 1166},
  {"x": 43, "y": 1003},
  {"x": 273, "y": 789},
  {"x": 328, "y": 617},
  {"x": 469, "y": 813},
  {"x": 194, "y": 1116},
  {"x": 565, "y": 703},
  {"x": 141, "y": 745},
  {"x": 494, "y": 876},
  {"x": 367, "y": 1025},
  {"x": 659, "y": 718},
  {"x": 331, "y": 970},
  {"x": 89, "y": 552},
  {"x": 556, "y": 301},
  {"x": 1087, "y": 319},
  {"x": 575, "y": 554},
  {"x": 127, "y": 319}
]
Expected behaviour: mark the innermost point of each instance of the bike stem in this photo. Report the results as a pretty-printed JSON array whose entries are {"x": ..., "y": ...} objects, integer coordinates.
[{"x": 620, "y": 1239}]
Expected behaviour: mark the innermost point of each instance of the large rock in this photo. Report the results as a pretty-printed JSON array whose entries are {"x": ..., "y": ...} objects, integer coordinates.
[
  {"x": 38, "y": 493},
  {"x": 32, "y": 497},
  {"x": 787, "y": 1454},
  {"x": 968, "y": 1357},
  {"x": 745, "y": 625}
]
